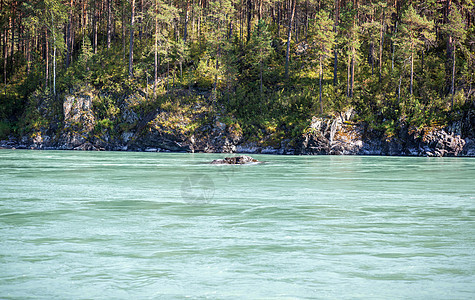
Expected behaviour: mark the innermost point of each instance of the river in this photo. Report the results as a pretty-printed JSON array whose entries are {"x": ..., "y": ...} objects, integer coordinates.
[{"x": 122, "y": 225}]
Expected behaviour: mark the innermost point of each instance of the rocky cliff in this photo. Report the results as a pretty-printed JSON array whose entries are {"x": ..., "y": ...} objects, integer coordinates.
[
  {"x": 342, "y": 136},
  {"x": 193, "y": 128}
]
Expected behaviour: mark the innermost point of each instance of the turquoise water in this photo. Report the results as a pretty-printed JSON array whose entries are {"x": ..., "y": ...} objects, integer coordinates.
[{"x": 84, "y": 225}]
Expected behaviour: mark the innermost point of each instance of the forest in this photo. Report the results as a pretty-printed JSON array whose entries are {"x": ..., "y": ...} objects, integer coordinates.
[{"x": 267, "y": 66}]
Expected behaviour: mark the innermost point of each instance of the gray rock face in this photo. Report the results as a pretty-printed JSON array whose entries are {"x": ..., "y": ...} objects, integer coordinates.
[
  {"x": 237, "y": 160},
  {"x": 73, "y": 126},
  {"x": 469, "y": 148},
  {"x": 441, "y": 143},
  {"x": 215, "y": 138},
  {"x": 337, "y": 136},
  {"x": 342, "y": 137},
  {"x": 79, "y": 121},
  {"x": 78, "y": 108}
]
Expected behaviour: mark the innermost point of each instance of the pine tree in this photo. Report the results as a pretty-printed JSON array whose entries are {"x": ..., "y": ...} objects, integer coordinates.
[
  {"x": 289, "y": 37},
  {"x": 51, "y": 16},
  {"x": 371, "y": 30},
  {"x": 377, "y": 15},
  {"x": 161, "y": 15},
  {"x": 322, "y": 39},
  {"x": 415, "y": 30},
  {"x": 259, "y": 49},
  {"x": 455, "y": 30},
  {"x": 131, "y": 44},
  {"x": 351, "y": 41},
  {"x": 217, "y": 35}
]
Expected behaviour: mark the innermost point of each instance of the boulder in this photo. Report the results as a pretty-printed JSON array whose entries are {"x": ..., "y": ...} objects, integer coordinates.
[
  {"x": 237, "y": 160},
  {"x": 443, "y": 143}
]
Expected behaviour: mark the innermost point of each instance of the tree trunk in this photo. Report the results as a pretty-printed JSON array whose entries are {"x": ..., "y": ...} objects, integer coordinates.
[
  {"x": 453, "y": 76},
  {"x": 155, "y": 66},
  {"x": 399, "y": 89},
  {"x": 215, "y": 88},
  {"x": 69, "y": 40},
  {"x": 84, "y": 17},
  {"x": 20, "y": 45},
  {"x": 109, "y": 23},
  {"x": 241, "y": 22},
  {"x": 296, "y": 32},
  {"x": 131, "y": 46},
  {"x": 352, "y": 73},
  {"x": 348, "y": 76},
  {"x": 450, "y": 41},
  {"x": 2, "y": 41},
  {"x": 335, "y": 64},
  {"x": 185, "y": 29},
  {"x": 289, "y": 36},
  {"x": 28, "y": 54},
  {"x": 381, "y": 48},
  {"x": 306, "y": 17},
  {"x": 249, "y": 17},
  {"x": 141, "y": 20},
  {"x": 54, "y": 58},
  {"x": 47, "y": 59},
  {"x": 392, "y": 49},
  {"x": 260, "y": 10},
  {"x": 123, "y": 30},
  {"x": 5, "y": 55},
  {"x": 54, "y": 68},
  {"x": 199, "y": 26},
  {"x": 94, "y": 27},
  {"x": 412, "y": 71},
  {"x": 353, "y": 55},
  {"x": 73, "y": 37},
  {"x": 13, "y": 39},
  {"x": 320, "y": 79},
  {"x": 279, "y": 12}
]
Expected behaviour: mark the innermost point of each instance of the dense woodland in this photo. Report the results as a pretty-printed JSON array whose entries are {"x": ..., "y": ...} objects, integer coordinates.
[{"x": 268, "y": 64}]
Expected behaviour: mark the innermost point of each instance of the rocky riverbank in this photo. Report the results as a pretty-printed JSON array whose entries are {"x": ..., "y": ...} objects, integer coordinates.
[{"x": 169, "y": 130}]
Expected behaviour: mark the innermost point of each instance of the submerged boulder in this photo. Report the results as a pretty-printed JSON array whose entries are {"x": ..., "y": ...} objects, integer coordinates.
[{"x": 237, "y": 160}]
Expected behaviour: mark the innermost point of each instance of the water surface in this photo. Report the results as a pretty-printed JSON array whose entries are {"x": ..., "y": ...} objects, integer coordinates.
[{"x": 85, "y": 225}]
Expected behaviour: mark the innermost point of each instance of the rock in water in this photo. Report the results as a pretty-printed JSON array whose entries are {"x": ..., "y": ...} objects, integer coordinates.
[{"x": 237, "y": 160}]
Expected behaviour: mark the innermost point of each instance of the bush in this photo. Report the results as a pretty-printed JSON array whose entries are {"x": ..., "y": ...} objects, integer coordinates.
[{"x": 5, "y": 129}]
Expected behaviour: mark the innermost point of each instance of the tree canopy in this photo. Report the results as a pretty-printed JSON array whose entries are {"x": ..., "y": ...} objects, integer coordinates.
[{"x": 396, "y": 62}]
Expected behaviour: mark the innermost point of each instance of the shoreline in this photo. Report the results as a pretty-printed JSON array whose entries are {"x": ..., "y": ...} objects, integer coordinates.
[
  {"x": 277, "y": 153},
  {"x": 163, "y": 131},
  {"x": 340, "y": 135}
]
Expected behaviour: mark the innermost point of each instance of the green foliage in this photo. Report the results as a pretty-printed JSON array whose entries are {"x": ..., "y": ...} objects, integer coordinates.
[
  {"x": 415, "y": 31},
  {"x": 41, "y": 110},
  {"x": 5, "y": 129},
  {"x": 454, "y": 28},
  {"x": 105, "y": 108},
  {"x": 259, "y": 48},
  {"x": 322, "y": 37},
  {"x": 103, "y": 125},
  {"x": 221, "y": 71}
]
